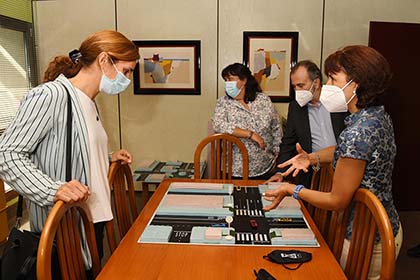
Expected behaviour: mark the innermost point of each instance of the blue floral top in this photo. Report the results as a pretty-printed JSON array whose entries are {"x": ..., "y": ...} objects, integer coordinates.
[
  {"x": 261, "y": 118},
  {"x": 369, "y": 136}
]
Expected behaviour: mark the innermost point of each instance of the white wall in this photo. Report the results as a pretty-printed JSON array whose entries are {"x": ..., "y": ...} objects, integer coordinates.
[
  {"x": 170, "y": 126},
  {"x": 60, "y": 27},
  {"x": 237, "y": 16},
  {"x": 347, "y": 22}
]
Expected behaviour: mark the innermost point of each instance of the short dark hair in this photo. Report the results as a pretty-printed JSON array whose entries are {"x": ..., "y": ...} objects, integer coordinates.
[
  {"x": 241, "y": 71},
  {"x": 313, "y": 70},
  {"x": 366, "y": 67}
]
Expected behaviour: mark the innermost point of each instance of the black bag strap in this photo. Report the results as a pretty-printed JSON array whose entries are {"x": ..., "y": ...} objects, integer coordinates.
[
  {"x": 292, "y": 268},
  {"x": 69, "y": 135},
  {"x": 285, "y": 266},
  {"x": 19, "y": 209}
]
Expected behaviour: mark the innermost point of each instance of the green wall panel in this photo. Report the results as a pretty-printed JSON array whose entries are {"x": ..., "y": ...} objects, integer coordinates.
[{"x": 17, "y": 9}]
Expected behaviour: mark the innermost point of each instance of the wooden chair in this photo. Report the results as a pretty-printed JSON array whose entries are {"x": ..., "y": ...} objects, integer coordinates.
[
  {"x": 4, "y": 228},
  {"x": 121, "y": 182},
  {"x": 336, "y": 232},
  {"x": 370, "y": 216},
  {"x": 63, "y": 225},
  {"x": 220, "y": 163},
  {"x": 321, "y": 181}
]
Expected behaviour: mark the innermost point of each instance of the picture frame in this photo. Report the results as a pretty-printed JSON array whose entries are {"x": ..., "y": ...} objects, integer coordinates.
[
  {"x": 168, "y": 67},
  {"x": 270, "y": 56}
]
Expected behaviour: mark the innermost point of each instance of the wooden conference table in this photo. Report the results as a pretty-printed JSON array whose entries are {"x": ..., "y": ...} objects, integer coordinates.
[{"x": 133, "y": 260}]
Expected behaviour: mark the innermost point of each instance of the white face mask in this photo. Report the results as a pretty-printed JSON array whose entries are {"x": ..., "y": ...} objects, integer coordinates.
[
  {"x": 334, "y": 99},
  {"x": 304, "y": 96}
]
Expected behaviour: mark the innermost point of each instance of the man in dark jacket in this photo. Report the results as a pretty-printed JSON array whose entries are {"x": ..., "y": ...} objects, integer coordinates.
[{"x": 308, "y": 122}]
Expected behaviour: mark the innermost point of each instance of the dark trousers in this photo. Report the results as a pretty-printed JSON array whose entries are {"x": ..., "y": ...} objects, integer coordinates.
[{"x": 99, "y": 235}]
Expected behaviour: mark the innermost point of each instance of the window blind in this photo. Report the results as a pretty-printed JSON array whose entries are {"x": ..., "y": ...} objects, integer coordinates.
[{"x": 14, "y": 81}]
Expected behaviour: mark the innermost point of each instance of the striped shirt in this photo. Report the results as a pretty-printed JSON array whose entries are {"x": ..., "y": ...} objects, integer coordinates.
[{"x": 33, "y": 147}]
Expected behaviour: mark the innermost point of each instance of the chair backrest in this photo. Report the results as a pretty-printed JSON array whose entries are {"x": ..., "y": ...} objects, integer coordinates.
[
  {"x": 4, "y": 227},
  {"x": 63, "y": 225},
  {"x": 220, "y": 162},
  {"x": 369, "y": 217},
  {"x": 321, "y": 181},
  {"x": 121, "y": 182}
]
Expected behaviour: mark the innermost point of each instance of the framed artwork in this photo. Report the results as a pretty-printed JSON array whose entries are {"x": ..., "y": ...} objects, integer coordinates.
[
  {"x": 270, "y": 56},
  {"x": 168, "y": 67}
]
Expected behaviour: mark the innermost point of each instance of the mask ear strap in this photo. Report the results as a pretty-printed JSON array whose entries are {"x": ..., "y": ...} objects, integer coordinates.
[
  {"x": 349, "y": 82},
  {"x": 312, "y": 85},
  {"x": 113, "y": 64},
  {"x": 351, "y": 98},
  {"x": 112, "y": 61}
]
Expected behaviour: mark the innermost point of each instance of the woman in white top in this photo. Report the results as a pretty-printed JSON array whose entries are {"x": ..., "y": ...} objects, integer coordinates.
[{"x": 33, "y": 148}]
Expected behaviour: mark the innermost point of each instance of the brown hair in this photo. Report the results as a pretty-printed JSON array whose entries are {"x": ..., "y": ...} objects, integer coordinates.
[
  {"x": 366, "y": 67},
  {"x": 116, "y": 45}
]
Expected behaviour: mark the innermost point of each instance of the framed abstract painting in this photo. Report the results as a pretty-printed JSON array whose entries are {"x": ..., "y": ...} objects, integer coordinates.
[
  {"x": 270, "y": 56},
  {"x": 168, "y": 67}
]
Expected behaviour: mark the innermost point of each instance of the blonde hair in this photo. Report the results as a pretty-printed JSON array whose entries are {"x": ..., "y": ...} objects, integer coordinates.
[{"x": 115, "y": 44}]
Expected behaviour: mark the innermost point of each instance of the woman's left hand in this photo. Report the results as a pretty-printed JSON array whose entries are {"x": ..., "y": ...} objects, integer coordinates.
[
  {"x": 277, "y": 195},
  {"x": 122, "y": 155}
]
